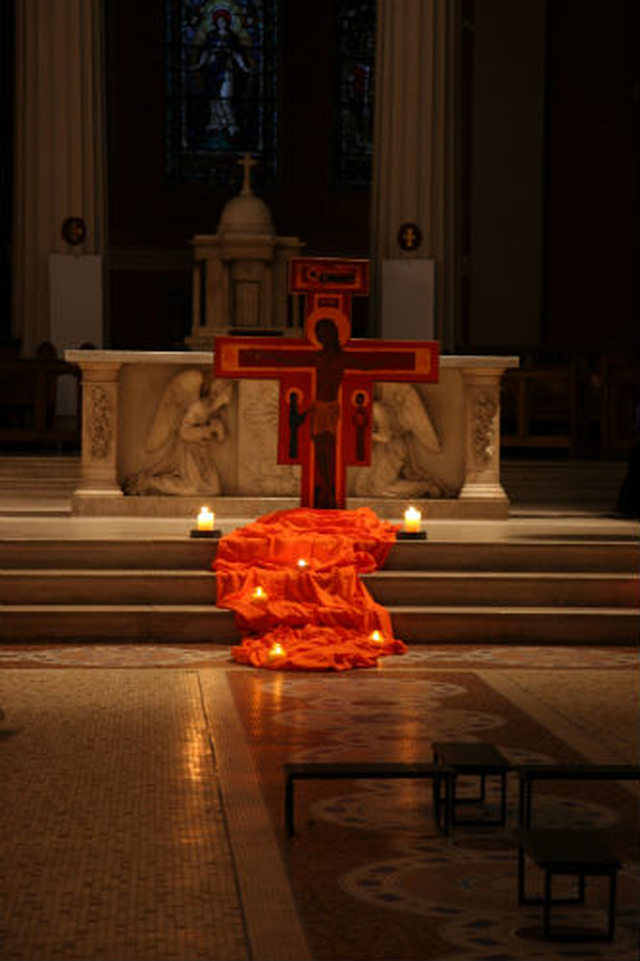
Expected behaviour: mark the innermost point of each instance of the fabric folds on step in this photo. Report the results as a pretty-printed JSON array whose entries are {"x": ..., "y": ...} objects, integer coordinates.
[{"x": 292, "y": 579}]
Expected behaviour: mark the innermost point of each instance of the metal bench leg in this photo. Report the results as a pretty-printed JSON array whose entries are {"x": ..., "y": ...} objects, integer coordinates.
[
  {"x": 435, "y": 797},
  {"x": 442, "y": 804},
  {"x": 483, "y": 792},
  {"x": 612, "y": 907},
  {"x": 449, "y": 802},
  {"x": 521, "y": 894},
  {"x": 528, "y": 803},
  {"x": 547, "y": 903},
  {"x": 449, "y": 795},
  {"x": 288, "y": 805}
]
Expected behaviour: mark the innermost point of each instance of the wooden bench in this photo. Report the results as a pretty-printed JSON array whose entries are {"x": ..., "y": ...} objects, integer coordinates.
[
  {"x": 351, "y": 771},
  {"x": 530, "y": 773},
  {"x": 578, "y": 853},
  {"x": 469, "y": 758}
]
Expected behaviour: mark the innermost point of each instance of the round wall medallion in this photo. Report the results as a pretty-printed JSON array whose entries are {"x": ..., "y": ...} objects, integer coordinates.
[
  {"x": 409, "y": 236},
  {"x": 74, "y": 231}
]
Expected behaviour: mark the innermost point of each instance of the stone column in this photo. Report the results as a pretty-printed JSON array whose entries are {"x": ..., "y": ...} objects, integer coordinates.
[
  {"x": 100, "y": 413},
  {"x": 59, "y": 157},
  {"x": 416, "y": 143},
  {"x": 482, "y": 435}
]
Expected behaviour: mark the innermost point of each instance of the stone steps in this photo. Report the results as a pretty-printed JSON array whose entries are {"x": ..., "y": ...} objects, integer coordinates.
[
  {"x": 504, "y": 588},
  {"x": 163, "y": 590},
  {"x": 542, "y": 589},
  {"x": 184, "y": 554},
  {"x": 32, "y": 476},
  {"x": 589, "y": 483},
  {"x": 413, "y": 588},
  {"x": 438, "y": 624}
]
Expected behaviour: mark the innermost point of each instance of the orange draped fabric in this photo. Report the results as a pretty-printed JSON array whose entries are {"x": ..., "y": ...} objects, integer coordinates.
[{"x": 315, "y": 616}]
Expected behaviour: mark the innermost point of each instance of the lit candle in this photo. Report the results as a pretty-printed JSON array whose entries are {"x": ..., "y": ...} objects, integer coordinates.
[
  {"x": 276, "y": 652},
  {"x": 258, "y": 594},
  {"x": 302, "y": 563},
  {"x": 206, "y": 519},
  {"x": 412, "y": 520},
  {"x": 377, "y": 637}
]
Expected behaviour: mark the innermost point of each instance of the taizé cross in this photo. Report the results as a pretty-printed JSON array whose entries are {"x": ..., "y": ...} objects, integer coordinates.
[{"x": 326, "y": 393}]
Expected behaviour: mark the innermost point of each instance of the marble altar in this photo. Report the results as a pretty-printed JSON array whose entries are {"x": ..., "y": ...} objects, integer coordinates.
[{"x": 160, "y": 437}]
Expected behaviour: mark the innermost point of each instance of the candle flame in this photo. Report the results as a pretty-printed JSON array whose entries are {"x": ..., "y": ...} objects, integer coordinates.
[
  {"x": 302, "y": 562},
  {"x": 377, "y": 637},
  {"x": 205, "y": 519},
  {"x": 412, "y": 519},
  {"x": 276, "y": 651}
]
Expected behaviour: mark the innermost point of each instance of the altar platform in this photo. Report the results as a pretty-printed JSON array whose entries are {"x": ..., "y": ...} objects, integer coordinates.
[{"x": 549, "y": 573}]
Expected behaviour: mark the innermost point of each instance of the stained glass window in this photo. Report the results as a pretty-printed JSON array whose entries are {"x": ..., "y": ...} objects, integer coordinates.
[
  {"x": 221, "y": 89},
  {"x": 355, "y": 43}
]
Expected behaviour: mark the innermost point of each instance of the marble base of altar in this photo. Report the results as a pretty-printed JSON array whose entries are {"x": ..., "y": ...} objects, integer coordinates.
[{"x": 161, "y": 437}]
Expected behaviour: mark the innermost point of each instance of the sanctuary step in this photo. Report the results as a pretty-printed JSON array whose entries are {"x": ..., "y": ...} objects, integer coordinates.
[
  {"x": 38, "y": 486},
  {"x": 162, "y": 589},
  {"x": 591, "y": 484},
  {"x": 34, "y": 477},
  {"x": 577, "y": 483},
  {"x": 391, "y": 588}
]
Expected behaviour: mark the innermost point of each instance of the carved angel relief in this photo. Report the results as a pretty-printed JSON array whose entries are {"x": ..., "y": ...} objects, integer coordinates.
[
  {"x": 403, "y": 441},
  {"x": 179, "y": 451}
]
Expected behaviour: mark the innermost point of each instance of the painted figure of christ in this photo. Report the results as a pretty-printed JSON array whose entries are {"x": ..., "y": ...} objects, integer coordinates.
[
  {"x": 326, "y": 394},
  {"x": 324, "y": 411}
]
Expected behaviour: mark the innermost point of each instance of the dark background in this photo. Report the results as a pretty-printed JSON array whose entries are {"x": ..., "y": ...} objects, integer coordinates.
[{"x": 590, "y": 297}]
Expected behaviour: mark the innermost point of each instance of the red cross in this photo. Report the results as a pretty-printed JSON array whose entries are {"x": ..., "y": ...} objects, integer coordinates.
[{"x": 326, "y": 390}]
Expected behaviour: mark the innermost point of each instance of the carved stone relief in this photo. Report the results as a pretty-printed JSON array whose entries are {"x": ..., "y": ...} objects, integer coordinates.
[
  {"x": 259, "y": 470},
  {"x": 403, "y": 442},
  {"x": 179, "y": 452},
  {"x": 100, "y": 423},
  {"x": 485, "y": 409}
]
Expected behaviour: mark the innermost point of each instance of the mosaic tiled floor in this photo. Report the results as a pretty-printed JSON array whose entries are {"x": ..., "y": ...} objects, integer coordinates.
[
  {"x": 216, "y": 655},
  {"x": 410, "y": 891},
  {"x": 113, "y": 837},
  {"x": 142, "y": 801}
]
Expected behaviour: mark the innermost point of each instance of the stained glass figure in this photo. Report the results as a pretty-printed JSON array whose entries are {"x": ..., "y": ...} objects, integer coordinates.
[{"x": 221, "y": 88}]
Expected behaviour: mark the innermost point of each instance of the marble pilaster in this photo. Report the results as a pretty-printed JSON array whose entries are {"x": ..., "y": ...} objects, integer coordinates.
[
  {"x": 100, "y": 429},
  {"x": 416, "y": 141},
  {"x": 482, "y": 434},
  {"x": 59, "y": 158}
]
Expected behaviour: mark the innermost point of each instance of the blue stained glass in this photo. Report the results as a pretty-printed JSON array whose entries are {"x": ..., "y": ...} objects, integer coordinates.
[
  {"x": 355, "y": 42},
  {"x": 221, "y": 88}
]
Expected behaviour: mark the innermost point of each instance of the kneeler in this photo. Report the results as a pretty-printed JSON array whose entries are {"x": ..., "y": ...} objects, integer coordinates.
[{"x": 292, "y": 579}]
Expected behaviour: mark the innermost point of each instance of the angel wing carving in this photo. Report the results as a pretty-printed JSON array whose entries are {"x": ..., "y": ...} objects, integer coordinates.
[{"x": 404, "y": 437}]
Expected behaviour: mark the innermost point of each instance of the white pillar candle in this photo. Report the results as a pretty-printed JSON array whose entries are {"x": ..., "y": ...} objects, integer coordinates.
[{"x": 412, "y": 520}]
